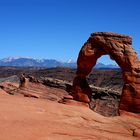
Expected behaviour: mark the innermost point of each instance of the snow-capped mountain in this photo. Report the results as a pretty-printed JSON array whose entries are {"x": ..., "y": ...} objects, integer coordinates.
[
  {"x": 9, "y": 59},
  {"x": 70, "y": 61},
  {"x": 48, "y": 63},
  {"x": 31, "y": 62},
  {"x": 104, "y": 66}
]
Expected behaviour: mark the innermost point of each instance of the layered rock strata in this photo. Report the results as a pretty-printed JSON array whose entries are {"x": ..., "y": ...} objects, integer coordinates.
[{"x": 119, "y": 48}]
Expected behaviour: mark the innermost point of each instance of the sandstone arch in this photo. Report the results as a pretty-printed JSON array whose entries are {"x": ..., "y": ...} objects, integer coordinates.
[{"x": 119, "y": 48}]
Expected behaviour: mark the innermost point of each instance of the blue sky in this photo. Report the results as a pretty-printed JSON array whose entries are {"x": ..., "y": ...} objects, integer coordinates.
[{"x": 57, "y": 29}]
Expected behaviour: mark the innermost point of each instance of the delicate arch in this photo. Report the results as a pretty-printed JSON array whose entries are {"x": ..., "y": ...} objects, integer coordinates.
[{"x": 119, "y": 48}]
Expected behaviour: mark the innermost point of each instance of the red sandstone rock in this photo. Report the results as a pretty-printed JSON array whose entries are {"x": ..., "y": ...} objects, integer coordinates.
[
  {"x": 73, "y": 102},
  {"x": 32, "y": 87},
  {"x": 119, "y": 48},
  {"x": 38, "y": 90},
  {"x": 24, "y": 81},
  {"x": 137, "y": 133},
  {"x": 29, "y": 119},
  {"x": 82, "y": 92},
  {"x": 2, "y": 92},
  {"x": 9, "y": 87},
  {"x": 29, "y": 94},
  {"x": 68, "y": 97}
]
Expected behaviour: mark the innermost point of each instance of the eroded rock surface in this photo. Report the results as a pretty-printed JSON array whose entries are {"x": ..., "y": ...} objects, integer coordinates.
[
  {"x": 119, "y": 48},
  {"x": 37, "y": 119},
  {"x": 29, "y": 86}
]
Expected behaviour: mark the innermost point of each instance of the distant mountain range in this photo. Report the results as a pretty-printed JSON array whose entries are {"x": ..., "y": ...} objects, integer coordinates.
[{"x": 48, "y": 63}]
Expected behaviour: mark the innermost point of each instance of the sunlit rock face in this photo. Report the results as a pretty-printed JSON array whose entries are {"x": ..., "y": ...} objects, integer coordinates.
[{"x": 119, "y": 48}]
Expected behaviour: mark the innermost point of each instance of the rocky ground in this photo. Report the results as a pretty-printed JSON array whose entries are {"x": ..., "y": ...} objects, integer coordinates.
[
  {"x": 110, "y": 79},
  {"x": 104, "y": 101},
  {"x": 40, "y": 119},
  {"x": 37, "y": 112},
  {"x": 106, "y": 85}
]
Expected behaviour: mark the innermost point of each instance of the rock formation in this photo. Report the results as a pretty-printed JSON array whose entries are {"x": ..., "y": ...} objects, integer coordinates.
[
  {"x": 23, "y": 81},
  {"x": 3, "y": 92},
  {"x": 119, "y": 48},
  {"x": 45, "y": 88},
  {"x": 9, "y": 87}
]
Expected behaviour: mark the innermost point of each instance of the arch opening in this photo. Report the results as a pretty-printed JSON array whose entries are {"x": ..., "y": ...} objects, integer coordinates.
[
  {"x": 106, "y": 74},
  {"x": 106, "y": 83},
  {"x": 106, "y": 60}
]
